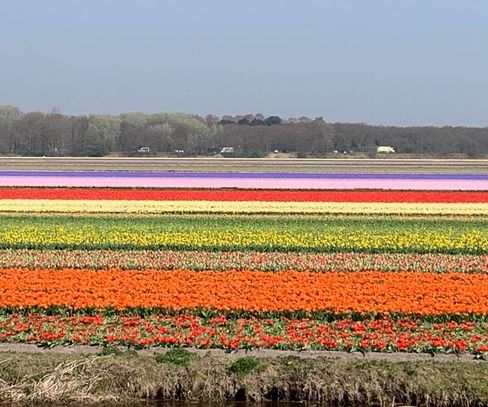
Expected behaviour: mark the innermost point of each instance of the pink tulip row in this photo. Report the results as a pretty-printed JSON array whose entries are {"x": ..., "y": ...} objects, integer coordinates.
[{"x": 248, "y": 183}]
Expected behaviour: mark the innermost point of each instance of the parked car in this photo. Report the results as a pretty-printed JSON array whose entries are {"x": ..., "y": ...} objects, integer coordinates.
[{"x": 227, "y": 150}]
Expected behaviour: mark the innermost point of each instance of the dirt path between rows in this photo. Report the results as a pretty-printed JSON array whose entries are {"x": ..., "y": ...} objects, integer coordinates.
[{"x": 262, "y": 353}]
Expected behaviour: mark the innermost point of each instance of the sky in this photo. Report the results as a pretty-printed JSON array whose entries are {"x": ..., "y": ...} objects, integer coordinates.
[{"x": 391, "y": 62}]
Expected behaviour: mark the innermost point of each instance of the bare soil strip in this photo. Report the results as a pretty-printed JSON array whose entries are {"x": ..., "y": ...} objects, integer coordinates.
[
  {"x": 246, "y": 164},
  {"x": 258, "y": 353}
]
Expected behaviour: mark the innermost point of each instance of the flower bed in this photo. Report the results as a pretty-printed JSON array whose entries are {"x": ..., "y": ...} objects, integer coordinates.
[
  {"x": 384, "y": 334},
  {"x": 416, "y": 293},
  {"x": 241, "y": 260},
  {"x": 258, "y": 270}
]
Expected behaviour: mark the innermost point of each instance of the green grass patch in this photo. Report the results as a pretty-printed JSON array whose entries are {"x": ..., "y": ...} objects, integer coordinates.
[
  {"x": 244, "y": 366},
  {"x": 177, "y": 357}
]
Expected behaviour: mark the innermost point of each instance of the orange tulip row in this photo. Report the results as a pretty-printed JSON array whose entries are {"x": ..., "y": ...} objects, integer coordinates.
[{"x": 406, "y": 292}]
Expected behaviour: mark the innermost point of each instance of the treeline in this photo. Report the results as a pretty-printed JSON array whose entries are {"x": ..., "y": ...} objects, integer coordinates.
[{"x": 55, "y": 134}]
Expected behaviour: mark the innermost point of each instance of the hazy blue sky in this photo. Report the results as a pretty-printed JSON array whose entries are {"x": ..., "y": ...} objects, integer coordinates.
[{"x": 378, "y": 61}]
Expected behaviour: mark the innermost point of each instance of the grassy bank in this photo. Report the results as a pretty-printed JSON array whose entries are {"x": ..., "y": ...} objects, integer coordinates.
[{"x": 178, "y": 374}]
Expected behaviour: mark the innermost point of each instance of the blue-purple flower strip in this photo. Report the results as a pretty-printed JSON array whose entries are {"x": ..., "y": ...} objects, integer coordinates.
[{"x": 169, "y": 174}]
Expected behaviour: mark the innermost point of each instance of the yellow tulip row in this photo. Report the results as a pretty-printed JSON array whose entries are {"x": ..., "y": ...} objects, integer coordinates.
[
  {"x": 161, "y": 207},
  {"x": 468, "y": 241}
]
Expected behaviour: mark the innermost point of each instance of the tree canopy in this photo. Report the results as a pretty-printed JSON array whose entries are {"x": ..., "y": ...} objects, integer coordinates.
[{"x": 251, "y": 135}]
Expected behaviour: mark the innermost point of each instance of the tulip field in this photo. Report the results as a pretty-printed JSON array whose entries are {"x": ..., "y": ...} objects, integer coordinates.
[{"x": 384, "y": 262}]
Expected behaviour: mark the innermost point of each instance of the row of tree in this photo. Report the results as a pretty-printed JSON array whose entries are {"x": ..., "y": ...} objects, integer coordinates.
[{"x": 55, "y": 134}]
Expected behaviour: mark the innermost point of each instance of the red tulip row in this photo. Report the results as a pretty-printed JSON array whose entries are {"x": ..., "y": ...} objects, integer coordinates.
[
  {"x": 220, "y": 331},
  {"x": 243, "y": 195}
]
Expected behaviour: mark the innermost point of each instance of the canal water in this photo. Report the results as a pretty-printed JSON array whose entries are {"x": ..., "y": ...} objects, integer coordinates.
[{"x": 162, "y": 403}]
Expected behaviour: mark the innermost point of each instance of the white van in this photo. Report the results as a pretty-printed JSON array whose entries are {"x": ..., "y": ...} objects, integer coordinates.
[{"x": 385, "y": 150}]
